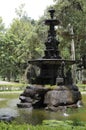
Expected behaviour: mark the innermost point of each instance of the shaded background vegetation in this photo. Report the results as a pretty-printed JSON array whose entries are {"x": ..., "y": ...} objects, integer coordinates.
[{"x": 25, "y": 37}]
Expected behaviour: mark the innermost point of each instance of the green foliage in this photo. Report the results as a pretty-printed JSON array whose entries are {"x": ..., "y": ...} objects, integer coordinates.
[
  {"x": 64, "y": 125},
  {"x": 48, "y": 125},
  {"x": 5, "y": 126},
  {"x": 19, "y": 44},
  {"x": 2, "y": 27},
  {"x": 72, "y": 12},
  {"x": 25, "y": 37}
]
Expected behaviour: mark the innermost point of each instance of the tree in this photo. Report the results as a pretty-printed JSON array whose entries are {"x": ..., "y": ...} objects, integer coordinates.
[
  {"x": 2, "y": 37},
  {"x": 73, "y": 12},
  {"x": 21, "y": 42}
]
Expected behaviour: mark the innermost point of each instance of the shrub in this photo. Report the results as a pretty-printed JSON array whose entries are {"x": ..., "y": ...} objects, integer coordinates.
[{"x": 47, "y": 125}]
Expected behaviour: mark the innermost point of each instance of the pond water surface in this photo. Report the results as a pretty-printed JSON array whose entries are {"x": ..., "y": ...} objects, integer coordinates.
[{"x": 8, "y": 106}]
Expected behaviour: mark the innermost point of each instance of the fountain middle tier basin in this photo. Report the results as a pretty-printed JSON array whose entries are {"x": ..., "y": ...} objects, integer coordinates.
[{"x": 51, "y": 61}]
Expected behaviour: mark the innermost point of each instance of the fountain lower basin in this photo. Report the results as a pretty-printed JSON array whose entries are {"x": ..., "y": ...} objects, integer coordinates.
[{"x": 36, "y": 116}]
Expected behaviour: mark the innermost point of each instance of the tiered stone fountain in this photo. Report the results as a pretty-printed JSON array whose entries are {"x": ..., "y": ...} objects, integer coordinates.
[{"x": 62, "y": 93}]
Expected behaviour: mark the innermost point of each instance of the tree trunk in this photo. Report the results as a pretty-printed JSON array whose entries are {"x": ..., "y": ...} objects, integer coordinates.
[{"x": 73, "y": 53}]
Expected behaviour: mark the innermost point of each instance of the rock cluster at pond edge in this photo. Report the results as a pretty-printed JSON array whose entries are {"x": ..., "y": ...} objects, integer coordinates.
[{"x": 51, "y": 99}]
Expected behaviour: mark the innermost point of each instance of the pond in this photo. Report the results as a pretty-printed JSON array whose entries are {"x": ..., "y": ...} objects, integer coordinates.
[{"x": 8, "y": 106}]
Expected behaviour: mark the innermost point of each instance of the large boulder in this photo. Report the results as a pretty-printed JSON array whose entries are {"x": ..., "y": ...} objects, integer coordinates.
[
  {"x": 57, "y": 98},
  {"x": 62, "y": 96}
]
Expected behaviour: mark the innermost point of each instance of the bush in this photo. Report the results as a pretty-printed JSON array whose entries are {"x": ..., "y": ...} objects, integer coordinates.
[{"x": 47, "y": 125}]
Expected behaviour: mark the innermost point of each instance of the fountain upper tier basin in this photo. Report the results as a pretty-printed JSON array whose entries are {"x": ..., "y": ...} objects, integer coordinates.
[{"x": 40, "y": 61}]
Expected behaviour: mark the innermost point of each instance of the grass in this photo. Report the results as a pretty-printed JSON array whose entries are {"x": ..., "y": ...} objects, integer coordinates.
[
  {"x": 82, "y": 87},
  {"x": 21, "y": 86},
  {"x": 47, "y": 125},
  {"x": 12, "y": 86}
]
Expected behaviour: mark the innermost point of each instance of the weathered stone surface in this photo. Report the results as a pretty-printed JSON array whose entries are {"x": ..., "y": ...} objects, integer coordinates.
[
  {"x": 76, "y": 95},
  {"x": 51, "y": 108},
  {"x": 62, "y": 96},
  {"x": 24, "y": 105},
  {"x": 32, "y": 91},
  {"x": 29, "y": 92},
  {"x": 52, "y": 99},
  {"x": 67, "y": 87},
  {"x": 26, "y": 99},
  {"x": 6, "y": 118},
  {"x": 57, "y": 98}
]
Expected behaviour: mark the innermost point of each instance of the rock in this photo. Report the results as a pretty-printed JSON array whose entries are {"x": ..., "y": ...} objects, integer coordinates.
[
  {"x": 76, "y": 95},
  {"x": 6, "y": 118},
  {"x": 51, "y": 108},
  {"x": 33, "y": 95},
  {"x": 67, "y": 87},
  {"x": 24, "y": 105},
  {"x": 32, "y": 91},
  {"x": 26, "y": 99},
  {"x": 57, "y": 98},
  {"x": 72, "y": 106},
  {"x": 29, "y": 92},
  {"x": 62, "y": 96},
  {"x": 61, "y": 88},
  {"x": 37, "y": 96}
]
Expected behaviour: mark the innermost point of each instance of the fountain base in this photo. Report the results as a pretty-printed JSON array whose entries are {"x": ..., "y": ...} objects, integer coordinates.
[{"x": 53, "y": 98}]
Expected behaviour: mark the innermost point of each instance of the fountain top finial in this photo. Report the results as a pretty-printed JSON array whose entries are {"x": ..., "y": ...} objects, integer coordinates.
[
  {"x": 52, "y": 22},
  {"x": 51, "y": 11}
]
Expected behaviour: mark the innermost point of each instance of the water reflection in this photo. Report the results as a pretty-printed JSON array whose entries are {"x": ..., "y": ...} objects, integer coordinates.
[
  {"x": 8, "y": 111},
  {"x": 8, "y": 107}
]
